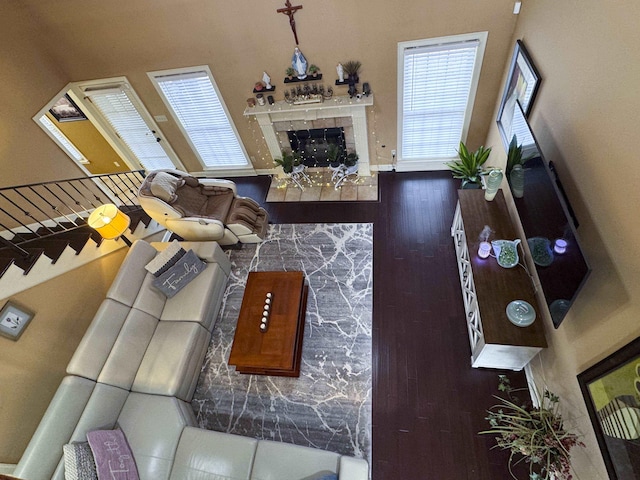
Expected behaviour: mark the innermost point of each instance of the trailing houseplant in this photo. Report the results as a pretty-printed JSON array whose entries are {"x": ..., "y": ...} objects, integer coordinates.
[
  {"x": 290, "y": 72},
  {"x": 535, "y": 434},
  {"x": 468, "y": 165}
]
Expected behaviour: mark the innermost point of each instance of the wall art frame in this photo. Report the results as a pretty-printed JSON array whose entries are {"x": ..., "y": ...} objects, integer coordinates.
[
  {"x": 66, "y": 110},
  {"x": 611, "y": 390},
  {"x": 14, "y": 320},
  {"x": 522, "y": 85}
]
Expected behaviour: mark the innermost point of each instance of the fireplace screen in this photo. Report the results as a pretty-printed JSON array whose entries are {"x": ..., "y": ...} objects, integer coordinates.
[{"x": 313, "y": 144}]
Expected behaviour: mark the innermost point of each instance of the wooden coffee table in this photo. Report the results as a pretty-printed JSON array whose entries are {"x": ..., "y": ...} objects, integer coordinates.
[{"x": 276, "y": 351}]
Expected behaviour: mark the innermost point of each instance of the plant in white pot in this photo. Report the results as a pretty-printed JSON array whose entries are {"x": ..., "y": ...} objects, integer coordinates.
[{"x": 468, "y": 165}]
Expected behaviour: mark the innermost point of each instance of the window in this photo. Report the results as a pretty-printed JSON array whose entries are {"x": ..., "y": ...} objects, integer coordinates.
[
  {"x": 122, "y": 112},
  {"x": 437, "y": 85},
  {"x": 62, "y": 140},
  {"x": 195, "y": 102}
]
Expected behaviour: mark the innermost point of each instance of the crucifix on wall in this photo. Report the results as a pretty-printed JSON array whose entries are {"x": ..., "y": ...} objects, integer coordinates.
[{"x": 290, "y": 11}]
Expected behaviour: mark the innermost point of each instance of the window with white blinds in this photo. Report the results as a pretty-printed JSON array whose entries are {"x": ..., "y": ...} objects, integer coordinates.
[
  {"x": 438, "y": 83},
  {"x": 121, "y": 113},
  {"x": 194, "y": 100},
  {"x": 62, "y": 140}
]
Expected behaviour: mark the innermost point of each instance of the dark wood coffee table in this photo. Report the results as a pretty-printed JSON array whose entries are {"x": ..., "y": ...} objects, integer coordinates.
[{"x": 276, "y": 351}]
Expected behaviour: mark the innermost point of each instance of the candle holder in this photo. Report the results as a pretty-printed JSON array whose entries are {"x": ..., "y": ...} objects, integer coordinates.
[
  {"x": 560, "y": 246},
  {"x": 266, "y": 312}
]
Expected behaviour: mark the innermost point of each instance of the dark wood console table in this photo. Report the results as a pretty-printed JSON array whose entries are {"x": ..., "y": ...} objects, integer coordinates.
[{"x": 487, "y": 288}]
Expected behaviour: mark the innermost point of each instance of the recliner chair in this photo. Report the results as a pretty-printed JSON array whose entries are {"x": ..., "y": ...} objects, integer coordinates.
[{"x": 200, "y": 209}]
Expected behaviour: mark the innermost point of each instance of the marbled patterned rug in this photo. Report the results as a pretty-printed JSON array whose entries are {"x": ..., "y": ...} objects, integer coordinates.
[{"x": 329, "y": 405}]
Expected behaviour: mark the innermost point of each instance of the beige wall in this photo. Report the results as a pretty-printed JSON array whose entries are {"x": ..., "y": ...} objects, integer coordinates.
[
  {"x": 29, "y": 78},
  {"x": 33, "y": 366},
  {"x": 585, "y": 118},
  {"x": 239, "y": 40}
]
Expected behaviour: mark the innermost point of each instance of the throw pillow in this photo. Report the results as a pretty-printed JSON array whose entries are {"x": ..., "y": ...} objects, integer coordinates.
[
  {"x": 78, "y": 462},
  {"x": 177, "y": 277},
  {"x": 165, "y": 259},
  {"x": 112, "y": 454}
]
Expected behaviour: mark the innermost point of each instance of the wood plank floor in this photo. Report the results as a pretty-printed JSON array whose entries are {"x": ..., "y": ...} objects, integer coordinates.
[{"x": 428, "y": 403}]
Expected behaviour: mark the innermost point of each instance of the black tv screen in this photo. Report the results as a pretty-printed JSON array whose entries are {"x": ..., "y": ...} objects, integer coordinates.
[{"x": 549, "y": 224}]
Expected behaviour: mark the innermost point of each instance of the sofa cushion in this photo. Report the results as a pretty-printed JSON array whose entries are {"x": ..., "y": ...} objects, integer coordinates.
[
  {"x": 97, "y": 342},
  {"x": 172, "y": 362},
  {"x": 153, "y": 425},
  {"x": 112, "y": 454},
  {"x": 274, "y": 461},
  {"x": 128, "y": 350},
  {"x": 205, "y": 454},
  {"x": 129, "y": 279},
  {"x": 200, "y": 301},
  {"x": 178, "y": 276}
]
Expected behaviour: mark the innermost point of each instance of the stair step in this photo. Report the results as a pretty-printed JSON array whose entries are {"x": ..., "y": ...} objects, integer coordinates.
[
  {"x": 53, "y": 247},
  {"x": 25, "y": 263}
]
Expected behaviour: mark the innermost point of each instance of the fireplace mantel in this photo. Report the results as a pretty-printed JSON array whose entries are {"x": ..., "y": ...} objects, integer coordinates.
[{"x": 336, "y": 107}]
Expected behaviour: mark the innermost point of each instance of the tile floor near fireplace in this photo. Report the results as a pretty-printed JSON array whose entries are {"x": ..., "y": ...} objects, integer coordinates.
[{"x": 364, "y": 188}]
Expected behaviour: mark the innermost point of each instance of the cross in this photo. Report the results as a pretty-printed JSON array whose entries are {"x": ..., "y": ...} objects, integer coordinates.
[{"x": 290, "y": 11}]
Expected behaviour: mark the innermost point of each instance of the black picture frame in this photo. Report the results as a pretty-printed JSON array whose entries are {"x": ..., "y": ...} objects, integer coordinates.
[
  {"x": 65, "y": 110},
  {"x": 522, "y": 85},
  {"x": 611, "y": 390}
]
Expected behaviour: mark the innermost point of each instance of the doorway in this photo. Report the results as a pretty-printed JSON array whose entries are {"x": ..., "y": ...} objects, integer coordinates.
[{"x": 104, "y": 128}]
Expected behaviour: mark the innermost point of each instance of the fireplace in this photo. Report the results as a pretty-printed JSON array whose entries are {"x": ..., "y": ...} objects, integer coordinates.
[
  {"x": 312, "y": 144},
  {"x": 342, "y": 113}
]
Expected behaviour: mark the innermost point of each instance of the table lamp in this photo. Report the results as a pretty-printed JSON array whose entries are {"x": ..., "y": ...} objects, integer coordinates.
[{"x": 110, "y": 222}]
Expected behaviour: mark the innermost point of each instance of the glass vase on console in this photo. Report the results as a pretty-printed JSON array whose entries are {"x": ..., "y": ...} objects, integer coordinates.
[{"x": 492, "y": 184}]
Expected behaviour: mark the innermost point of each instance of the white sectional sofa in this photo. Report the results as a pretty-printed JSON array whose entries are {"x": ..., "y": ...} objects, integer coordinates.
[{"x": 137, "y": 367}]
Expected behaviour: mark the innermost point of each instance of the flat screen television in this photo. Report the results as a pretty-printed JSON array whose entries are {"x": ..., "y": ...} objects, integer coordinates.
[{"x": 549, "y": 224}]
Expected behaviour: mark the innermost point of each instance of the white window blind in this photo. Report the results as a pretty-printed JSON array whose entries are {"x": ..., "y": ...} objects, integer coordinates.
[
  {"x": 437, "y": 81},
  {"x": 63, "y": 141},
  {"x": 118, "y": 109},
  {"x": 198, "y": 108}
]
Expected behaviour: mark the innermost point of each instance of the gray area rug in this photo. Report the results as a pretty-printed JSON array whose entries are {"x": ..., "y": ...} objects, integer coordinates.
[{"x": 329, "y": 405}]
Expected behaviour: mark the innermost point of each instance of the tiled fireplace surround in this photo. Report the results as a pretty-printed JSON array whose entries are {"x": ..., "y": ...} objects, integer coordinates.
[{"x": 341, "y": 111}]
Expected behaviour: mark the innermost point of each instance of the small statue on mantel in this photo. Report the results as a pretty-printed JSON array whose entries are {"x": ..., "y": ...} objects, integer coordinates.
[
  {"x": 299, "y": 64},
  {"x": 340, "y": 70},
  {"x": 267, "y": 80}
]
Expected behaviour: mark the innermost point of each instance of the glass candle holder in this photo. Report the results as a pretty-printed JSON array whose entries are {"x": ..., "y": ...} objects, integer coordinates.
[
  {"x": 484, "y": 249},
  {"x": 560, "y": 246}
]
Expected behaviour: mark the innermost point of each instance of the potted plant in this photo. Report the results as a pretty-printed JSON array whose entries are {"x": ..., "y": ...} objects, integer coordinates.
[
  {"x": 514, "y": 155},
  {"x": 515, "y": 168},
  {"x": 288, "y": 161},
  {"x": 352, "y": 69},
  {"x": 537, "y": 434},
  {"x": 290, "y": 72},
  {"x": 351, "y": 162},
  {"x": 468, "y": 167},
  {"x": 314, "y": 70},
  {"x": 334, "y": 155}
]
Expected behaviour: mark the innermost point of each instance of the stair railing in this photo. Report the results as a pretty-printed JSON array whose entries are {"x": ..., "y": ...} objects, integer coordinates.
[{"x": 39, "y": 210}]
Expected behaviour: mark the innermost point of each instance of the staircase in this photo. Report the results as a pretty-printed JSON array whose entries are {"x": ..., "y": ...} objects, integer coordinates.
[{"x": 44, "y": 231}]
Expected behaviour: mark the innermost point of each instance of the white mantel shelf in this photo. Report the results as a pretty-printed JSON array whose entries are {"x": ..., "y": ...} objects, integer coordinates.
[{"x": 337, "y": 106}]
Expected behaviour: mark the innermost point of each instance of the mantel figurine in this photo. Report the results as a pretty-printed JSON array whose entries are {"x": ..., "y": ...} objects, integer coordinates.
[{"x": 299, "y": 64}]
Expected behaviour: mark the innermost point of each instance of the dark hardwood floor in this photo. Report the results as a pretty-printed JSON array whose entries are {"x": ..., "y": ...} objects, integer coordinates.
[{"x": 428, "y": 403}]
